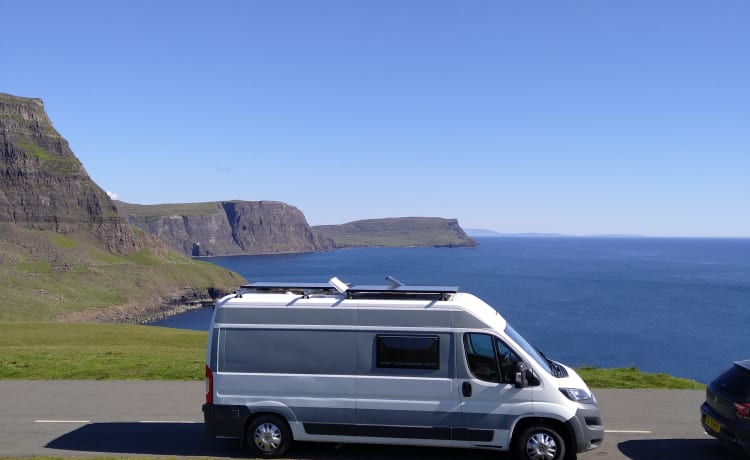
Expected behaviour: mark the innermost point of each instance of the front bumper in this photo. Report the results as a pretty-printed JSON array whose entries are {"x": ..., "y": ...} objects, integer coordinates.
[{"x": 587, "y": 427}]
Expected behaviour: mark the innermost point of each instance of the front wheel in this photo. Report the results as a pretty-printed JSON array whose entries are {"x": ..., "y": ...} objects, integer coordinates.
[
  {"x": 268, "y": 436},
  {"x": 540, "y": 443}
]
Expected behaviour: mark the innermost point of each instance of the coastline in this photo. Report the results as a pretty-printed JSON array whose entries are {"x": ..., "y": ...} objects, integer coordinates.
[{"x": 134, "y": 314}]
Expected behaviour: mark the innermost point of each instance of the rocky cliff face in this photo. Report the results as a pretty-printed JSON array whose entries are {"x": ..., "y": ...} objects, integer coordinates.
[
  {"x": 43, "y": 186},
  {"x": 228, "y": 228}
]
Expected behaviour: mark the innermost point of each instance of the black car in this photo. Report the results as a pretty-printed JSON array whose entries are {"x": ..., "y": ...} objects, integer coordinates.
[{"x": 726, "y": 413}]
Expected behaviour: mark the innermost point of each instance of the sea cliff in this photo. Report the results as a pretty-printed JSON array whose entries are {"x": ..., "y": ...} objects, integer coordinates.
[
  {"x": 227, "y": 227},
  {"x": 66, "y": 253},
  {"x": 43, "y": 186}
]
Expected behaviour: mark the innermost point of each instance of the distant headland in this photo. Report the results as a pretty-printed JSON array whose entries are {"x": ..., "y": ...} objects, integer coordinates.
[{"x": 273, "y": 227}]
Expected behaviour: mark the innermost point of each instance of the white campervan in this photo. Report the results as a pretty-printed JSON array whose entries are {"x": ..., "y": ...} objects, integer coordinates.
[{"x": 393, "y": 364}]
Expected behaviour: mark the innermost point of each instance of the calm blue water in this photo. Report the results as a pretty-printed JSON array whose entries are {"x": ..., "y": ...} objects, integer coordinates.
[{"x": 680, "y": 306}]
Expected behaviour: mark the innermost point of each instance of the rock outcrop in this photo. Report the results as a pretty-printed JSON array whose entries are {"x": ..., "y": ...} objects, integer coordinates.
[
  {"x": 228, "y": 227},
  {"x": 43, "y": 186}
]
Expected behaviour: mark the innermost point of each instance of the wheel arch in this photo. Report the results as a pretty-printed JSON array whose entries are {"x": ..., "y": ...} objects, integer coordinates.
[
  {"x": 279, "y": 410},
  {"x": 562, "y": 428}
]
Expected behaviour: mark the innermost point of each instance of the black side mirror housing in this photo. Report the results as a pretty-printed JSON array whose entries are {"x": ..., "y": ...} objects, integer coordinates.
[{"x": 522, "y": 372}]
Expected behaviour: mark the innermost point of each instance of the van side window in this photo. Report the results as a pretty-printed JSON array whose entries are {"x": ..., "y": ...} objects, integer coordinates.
[
  {"x": 489, "y": 359},
  {"x": 408, "y": 351}
]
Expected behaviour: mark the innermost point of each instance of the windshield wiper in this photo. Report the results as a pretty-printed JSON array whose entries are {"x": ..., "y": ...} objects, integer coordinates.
[{"x": 557, "y": 369}]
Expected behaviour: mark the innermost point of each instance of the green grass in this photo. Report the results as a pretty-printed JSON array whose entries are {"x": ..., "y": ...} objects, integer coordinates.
[
  {"x": 62, "y": 241},
  {"x": 48, "y": 351},
  {"x": 34, "y": 150},
  {"x": 156, "y": 211},
  {"x": 630, "y": 377},
  {"x": 55, "y": 163}
]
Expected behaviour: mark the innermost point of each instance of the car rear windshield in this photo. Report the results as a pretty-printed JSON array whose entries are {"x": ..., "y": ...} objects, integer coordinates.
[{"x": 736, "y": 380}]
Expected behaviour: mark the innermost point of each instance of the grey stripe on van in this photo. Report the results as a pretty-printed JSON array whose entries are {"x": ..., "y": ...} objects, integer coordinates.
[
  {"x": 407, "y": 424},
  {"x": 404, "y": 432},
  {"x": 384, "y": 417}
]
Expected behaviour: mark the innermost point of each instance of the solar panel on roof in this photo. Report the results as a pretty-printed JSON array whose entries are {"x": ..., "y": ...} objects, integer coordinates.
[
  {"x": 286, "y": 285},
  {"x": 392, "y": 291},
  {"x": 405, "y": 288}
]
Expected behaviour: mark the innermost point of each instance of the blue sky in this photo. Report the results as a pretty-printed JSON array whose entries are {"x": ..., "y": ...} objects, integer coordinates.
[{"x": 577, "y": 117}]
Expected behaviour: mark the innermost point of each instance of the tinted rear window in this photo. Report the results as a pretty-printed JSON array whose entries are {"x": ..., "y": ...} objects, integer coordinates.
[{"x": 736, "y": 380}]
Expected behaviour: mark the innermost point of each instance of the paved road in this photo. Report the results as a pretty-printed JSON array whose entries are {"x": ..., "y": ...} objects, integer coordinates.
[{"x": 164, "y": 418}]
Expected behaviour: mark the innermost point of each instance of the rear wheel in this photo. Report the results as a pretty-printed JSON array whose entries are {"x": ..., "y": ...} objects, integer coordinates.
[
  {"x": 540, "y": 442},
  {"x": 268, "y": 436}
]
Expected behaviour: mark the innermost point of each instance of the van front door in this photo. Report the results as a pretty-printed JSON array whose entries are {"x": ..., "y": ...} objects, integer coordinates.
[{"x": 490, "y": 401}]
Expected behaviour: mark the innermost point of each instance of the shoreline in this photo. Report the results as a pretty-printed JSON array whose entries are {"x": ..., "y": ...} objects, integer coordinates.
[
  {"x": 173, "y": 311},
  {"x": 142, "y": 314}
]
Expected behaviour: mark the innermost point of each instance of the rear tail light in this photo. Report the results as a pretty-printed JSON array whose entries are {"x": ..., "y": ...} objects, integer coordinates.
[
  {"x": 209, "y": 386},
  {"x": 743, "y": 410}
]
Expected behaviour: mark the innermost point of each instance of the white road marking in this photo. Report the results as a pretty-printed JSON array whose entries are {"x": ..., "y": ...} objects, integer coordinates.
[
  {"x": 61, "y": 421},
  {"x": 141, "y": 421},
  {"x": 168, "y": 421},
  {"x": 629, "y": 431}
]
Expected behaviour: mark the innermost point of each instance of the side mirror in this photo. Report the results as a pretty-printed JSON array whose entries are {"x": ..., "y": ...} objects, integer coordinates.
[{"x": 522, "y": 372}]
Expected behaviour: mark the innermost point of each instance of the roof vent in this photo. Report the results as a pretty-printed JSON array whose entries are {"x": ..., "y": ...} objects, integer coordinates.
[
  {"x": 394, "y": 282},
  {"x": 338, "y": 285}
]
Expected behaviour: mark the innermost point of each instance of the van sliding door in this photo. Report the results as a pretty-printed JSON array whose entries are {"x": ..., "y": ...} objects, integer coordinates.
[{"x": 404, "y": 389}]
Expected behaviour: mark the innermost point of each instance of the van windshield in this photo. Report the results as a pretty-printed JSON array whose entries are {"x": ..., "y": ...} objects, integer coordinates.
[{"x": 531, "y": 351}]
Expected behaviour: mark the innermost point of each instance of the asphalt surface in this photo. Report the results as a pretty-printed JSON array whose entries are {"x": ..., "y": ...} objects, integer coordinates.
[{"x": 66, "y": 418}]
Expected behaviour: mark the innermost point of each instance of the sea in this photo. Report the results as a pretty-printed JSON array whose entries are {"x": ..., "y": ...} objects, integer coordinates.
[{"x": 679, "y": 306}]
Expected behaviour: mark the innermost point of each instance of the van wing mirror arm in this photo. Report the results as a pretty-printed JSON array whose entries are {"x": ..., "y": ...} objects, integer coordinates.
[{"x": 522, "y": 371}]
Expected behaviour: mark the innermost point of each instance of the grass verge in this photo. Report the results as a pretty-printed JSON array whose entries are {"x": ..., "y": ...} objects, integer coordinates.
[
  {"x": 632, "y": 378},
  {"x": 49, "y": 351}
]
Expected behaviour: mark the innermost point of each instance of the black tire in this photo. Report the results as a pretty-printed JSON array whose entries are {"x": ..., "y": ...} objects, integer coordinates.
[
  {"x": 539, "y": 442},
  {"x": 268, "y": 436}
]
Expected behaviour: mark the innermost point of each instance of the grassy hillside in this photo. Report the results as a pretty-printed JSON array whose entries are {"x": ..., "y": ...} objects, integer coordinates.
[{"x": 46, "y": 275}]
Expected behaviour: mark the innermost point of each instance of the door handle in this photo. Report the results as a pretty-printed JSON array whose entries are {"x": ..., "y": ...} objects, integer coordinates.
[{"x": 466, "y": 389}]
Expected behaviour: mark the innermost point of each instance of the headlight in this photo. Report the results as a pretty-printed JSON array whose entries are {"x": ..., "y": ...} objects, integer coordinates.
[{"x": 575, "y": 394}]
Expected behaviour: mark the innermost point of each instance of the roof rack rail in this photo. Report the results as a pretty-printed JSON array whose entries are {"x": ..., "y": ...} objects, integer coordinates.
[
  {"x": 396, "y": 290},
  {"x": 304, "y": 289},
  {"x": 401, "y": 292}
]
